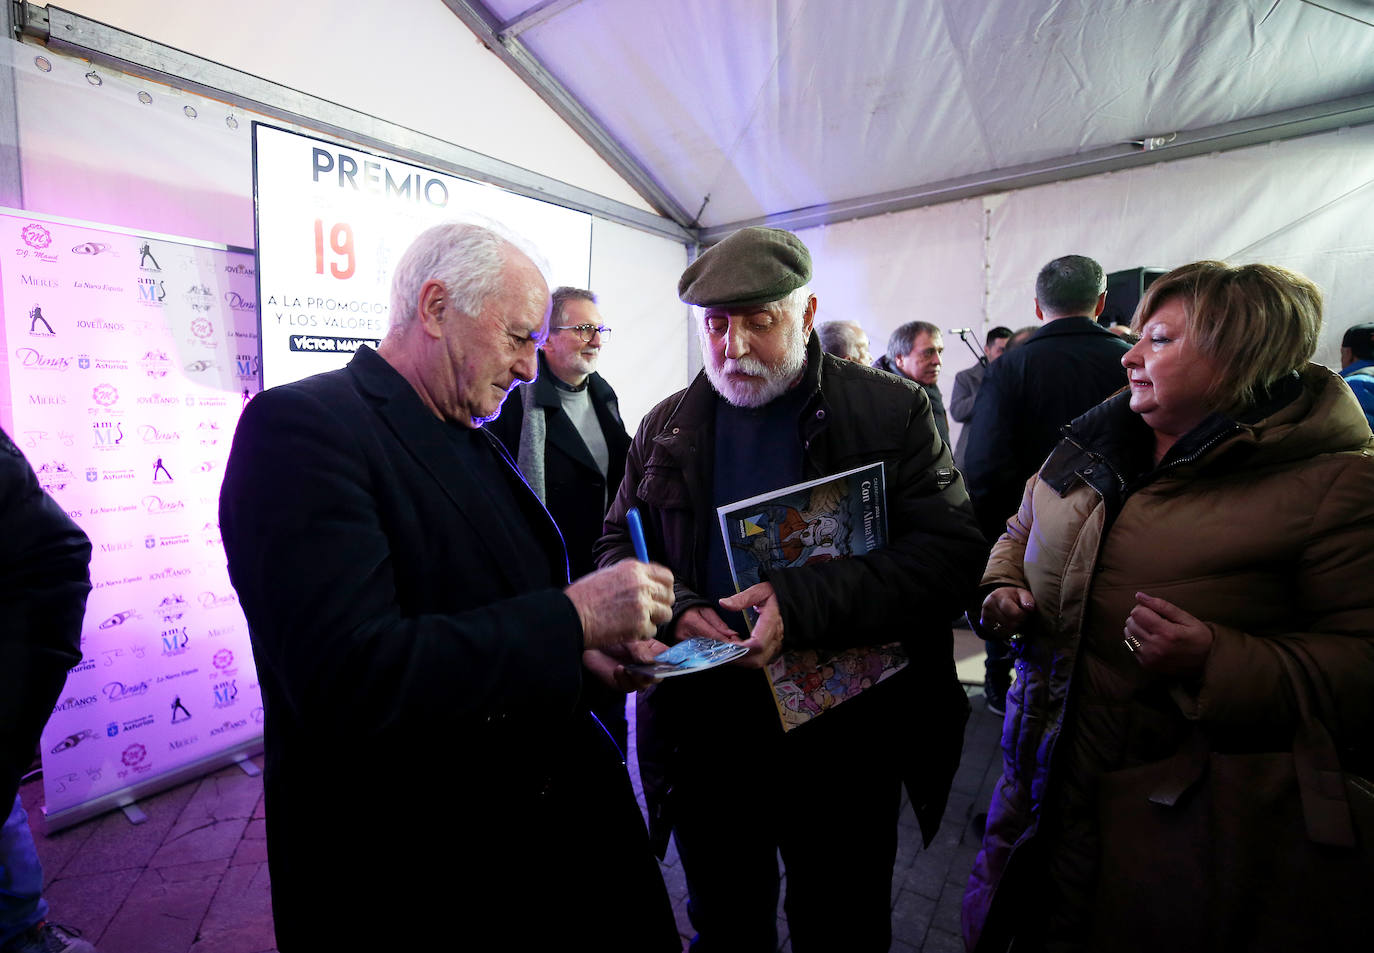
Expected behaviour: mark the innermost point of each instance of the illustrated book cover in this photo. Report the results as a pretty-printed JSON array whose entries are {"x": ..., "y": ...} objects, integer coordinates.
[{"x": 834, "y": 517}]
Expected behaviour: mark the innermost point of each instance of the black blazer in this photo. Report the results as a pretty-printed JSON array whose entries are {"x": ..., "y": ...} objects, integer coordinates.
[
  {"x": 44, "y": 582},
  {"x": 419, "y": 666},
  {"x": 1027, "y": 395},
  {"x": 578, "y": 496}
]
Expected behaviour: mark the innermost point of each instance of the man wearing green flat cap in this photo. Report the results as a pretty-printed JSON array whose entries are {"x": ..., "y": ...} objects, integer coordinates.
[{"x": 770, "y": 410}]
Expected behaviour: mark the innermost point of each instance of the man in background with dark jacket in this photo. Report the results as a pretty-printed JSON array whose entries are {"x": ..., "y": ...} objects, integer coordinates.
[
  {"x": 564, "y": 430},
  {"x": 915, "y": 351},
  {"x": 770, "y": 410},
  {"x": 1068, "y": 366}
]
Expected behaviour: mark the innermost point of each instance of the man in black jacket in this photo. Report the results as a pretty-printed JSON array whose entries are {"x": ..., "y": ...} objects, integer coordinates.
[
  {"x": 770, "y": 410},
  {"x": 564, "y": 430},
  {"x": 1068, "y": 366},
  {"x": 420, "y": 648},
  {"x": 44, "y": 582}
]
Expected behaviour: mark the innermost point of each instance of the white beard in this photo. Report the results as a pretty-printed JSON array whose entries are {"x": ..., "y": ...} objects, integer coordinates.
[{"x": 775, "y": 379}]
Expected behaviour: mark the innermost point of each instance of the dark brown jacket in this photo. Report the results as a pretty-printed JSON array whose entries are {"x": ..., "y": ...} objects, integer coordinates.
[{"x": 909, "y": 590}]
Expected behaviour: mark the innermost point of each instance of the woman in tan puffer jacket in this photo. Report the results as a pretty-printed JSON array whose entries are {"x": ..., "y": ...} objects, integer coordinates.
[{"x": 1224, "y": 501}]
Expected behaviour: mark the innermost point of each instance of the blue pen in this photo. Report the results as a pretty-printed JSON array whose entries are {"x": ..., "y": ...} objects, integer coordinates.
[{"x": 637, "y": 534}]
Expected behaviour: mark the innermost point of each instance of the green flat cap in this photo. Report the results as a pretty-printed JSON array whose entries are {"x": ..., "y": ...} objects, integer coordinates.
[{"x": 755, "y": 265}]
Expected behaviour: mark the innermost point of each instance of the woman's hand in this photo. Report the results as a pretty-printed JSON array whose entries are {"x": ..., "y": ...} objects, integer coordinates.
[
  {"x": 1004, "y": 611},
  {"x": 1166, "y": 639}
]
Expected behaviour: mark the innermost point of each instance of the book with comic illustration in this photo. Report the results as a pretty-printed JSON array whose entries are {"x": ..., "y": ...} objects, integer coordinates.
[{"x": 833, "y": 517}]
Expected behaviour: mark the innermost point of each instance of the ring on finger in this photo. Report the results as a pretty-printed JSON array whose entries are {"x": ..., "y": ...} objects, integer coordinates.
[{"x": 1132, "y": 643}]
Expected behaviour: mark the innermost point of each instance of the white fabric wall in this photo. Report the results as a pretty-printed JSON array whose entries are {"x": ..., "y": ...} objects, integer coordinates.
[
  {"x": 1304, "y": 203},
  {"x": 926, "y": 264},
  {"x": 98, "y": 154},
  {"x": 410, "y": 62},
  {"x": 634, "y": 275}
]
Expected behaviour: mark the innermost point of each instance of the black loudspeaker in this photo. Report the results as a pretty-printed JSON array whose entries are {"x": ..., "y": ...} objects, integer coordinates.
[{"x": 1124, "y": 289}]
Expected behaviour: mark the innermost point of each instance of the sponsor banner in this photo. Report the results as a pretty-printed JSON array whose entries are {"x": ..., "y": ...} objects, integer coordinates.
[
  {"x": 332, "y": 223},
  {"x": 130, "y": 359}
]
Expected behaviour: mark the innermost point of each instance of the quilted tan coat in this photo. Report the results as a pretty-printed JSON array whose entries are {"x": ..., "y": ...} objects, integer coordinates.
[{"x": 1263, "y": 528}]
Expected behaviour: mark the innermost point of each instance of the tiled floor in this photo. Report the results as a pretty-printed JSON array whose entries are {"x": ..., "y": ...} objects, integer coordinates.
[{"x": 194, "y": 878}]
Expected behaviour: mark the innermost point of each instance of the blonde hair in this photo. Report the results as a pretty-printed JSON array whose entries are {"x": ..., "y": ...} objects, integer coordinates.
[{"x": 1257, "y": 323}]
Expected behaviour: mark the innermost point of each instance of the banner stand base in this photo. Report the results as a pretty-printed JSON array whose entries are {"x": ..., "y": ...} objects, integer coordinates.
[
  {"x": 125, "y": 798},
  {"x": 134, "y": 813}
]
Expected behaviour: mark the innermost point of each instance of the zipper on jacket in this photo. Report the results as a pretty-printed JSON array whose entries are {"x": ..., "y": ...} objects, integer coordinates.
[
  {"x": 1094, "y": 459},
  {"x": 1229, "y": 431}
]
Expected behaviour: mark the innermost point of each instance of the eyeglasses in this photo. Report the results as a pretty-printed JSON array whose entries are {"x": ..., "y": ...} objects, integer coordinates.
[{"x": 586, "y": 331}]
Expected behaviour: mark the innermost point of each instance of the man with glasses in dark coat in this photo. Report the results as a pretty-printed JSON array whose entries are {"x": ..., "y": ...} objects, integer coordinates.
[{"x": 564, "y": 430}]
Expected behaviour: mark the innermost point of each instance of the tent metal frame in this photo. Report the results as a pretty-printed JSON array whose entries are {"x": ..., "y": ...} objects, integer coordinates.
[
  {"x": 1255, "y": 130},
  {"x": 11, "y": 178},
  {"x": 65, "y": 32},
  {"x": 71, "y": 33},
  {"x": 502, "y": 39}
]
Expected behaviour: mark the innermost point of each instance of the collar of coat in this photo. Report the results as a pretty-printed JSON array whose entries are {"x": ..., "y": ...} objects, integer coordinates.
[
  {"x": 429, "y": 442},
  {"x": 539, "y": 398},
  {"x": 1070, "y": 324},
  {"x": 546, "y": 392},
  {"x": 1109, "y": 447}
]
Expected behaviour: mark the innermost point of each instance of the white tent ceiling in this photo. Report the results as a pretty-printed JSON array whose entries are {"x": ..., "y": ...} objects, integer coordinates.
[{"x": 806, "y": 111}]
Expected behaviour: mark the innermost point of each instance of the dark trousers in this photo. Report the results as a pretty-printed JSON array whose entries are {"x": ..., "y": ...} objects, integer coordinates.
[
  {"x": 997, "y": 665},
  {"x": 514, "y": 866},
  {"x": 825, "y": 795},
  {"x": 30, "y": 682}
]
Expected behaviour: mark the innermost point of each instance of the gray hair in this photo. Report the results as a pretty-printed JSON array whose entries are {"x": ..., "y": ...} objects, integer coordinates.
[
  {"x": 840, "y": 338},
  {"x": 791, "y": 305},
  {"x": 1070, "y": 285},
  {"x": 469, "y": 260},
  {"x": 904, "y": 338},
  {"x": 562, "y": 295}
]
